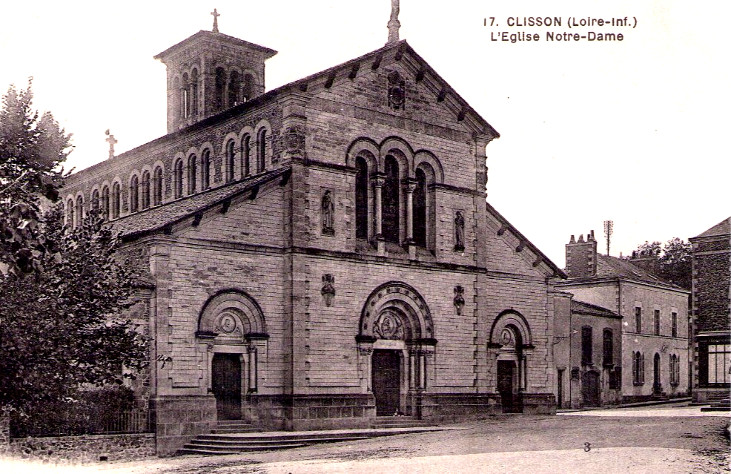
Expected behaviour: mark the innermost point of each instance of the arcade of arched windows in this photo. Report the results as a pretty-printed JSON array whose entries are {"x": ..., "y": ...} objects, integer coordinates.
[
  {"x": 394, "y": 196},
  {"x": 243, "y": 155},
  {"x": 231, "y": 87}
]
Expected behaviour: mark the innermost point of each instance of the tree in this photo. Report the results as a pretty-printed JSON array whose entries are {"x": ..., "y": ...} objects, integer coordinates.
[
  {"x": 673, "y": 260},
  {"x": 32, "y": 148},
  {"x": 64, "y": 289}
]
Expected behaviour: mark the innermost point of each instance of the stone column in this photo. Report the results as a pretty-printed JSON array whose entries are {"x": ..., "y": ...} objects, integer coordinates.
[
  {"x": 378, "y": 181},
  {"x": 409, "y": 187}
]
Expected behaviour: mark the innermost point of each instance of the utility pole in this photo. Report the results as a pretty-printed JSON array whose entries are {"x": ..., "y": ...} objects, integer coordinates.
[{"x": 608, "y": 228}]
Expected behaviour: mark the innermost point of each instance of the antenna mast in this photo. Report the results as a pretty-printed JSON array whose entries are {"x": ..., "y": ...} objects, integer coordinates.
[{"x": 608, "y": 228}]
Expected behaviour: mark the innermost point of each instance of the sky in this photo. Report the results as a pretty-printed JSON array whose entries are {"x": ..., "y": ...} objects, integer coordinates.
[{"x": 632, "y": 131}]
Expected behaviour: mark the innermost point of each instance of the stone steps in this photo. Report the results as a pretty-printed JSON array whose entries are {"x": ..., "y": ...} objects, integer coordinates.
[{"x": 398, "y": 422}]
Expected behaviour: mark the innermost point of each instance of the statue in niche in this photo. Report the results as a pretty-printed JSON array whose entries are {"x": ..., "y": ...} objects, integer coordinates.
[
  {"x": 328, "y": 214},
  {"x": 459, "y": 232}
]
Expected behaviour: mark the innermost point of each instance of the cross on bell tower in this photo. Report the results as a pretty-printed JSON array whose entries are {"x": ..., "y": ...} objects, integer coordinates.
[{"x": 215, "y": 20}]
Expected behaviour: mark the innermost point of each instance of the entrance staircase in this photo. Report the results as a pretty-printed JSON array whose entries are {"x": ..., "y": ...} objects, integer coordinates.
[
  {"x": 719, "y": 402},
  {"x": 234, "y": 437}
]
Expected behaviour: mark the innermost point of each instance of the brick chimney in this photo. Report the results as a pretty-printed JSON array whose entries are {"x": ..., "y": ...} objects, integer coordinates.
[{"x": 581, "y": 256}]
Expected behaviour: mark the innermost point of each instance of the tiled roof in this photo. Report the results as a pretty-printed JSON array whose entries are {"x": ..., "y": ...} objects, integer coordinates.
[
  {"x": 156, "y": 218},
  {"x": 613, "y": 267},
  {"x": 722, "y": 228},
  {"x": 592, "y": 310}
]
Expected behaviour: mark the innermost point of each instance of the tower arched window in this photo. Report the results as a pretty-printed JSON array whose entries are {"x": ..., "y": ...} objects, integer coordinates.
[
  {"x": 178, "y": 179},
  {"x": 247, "y": 90},
  {"x": 230, "y": 160},
  {"x": 193, "y": 92},
  {"x": 390, "y": 201},
  {"x": 361, "y": 198},
  {"x": 192, "y": 173},
  {"x": 157, "y": 194},
  {"x": 70, "y": 213},
  {"x": 220, "y": 88},
  {"x": 206, "y": 169},
  {"x": 261, "y": 145},
  {"x": 246, "y": 155},
  {"x": 134, "y": 194},
  {"x": 79, "y": 211},
  {"x": 145, "y": 190},
  {"x": 234, "y": 85},
  {"x": 185, "y": 97},
  {"x": 105, "y": 203},
  {"x": 116, "y": 200}
]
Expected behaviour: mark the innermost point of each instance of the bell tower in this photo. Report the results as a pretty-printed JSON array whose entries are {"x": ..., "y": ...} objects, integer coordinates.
[{"x": 210, "y": 72}]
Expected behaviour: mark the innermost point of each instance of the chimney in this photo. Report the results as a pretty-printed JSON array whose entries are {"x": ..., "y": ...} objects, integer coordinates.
[{"x": 581, "y": 256}]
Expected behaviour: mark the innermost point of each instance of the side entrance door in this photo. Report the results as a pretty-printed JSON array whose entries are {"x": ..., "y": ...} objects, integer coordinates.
[
  {"x": 506, "y": 373},
  {"x": 226, "y": 385},
  {"x": 386, "y": 381}
]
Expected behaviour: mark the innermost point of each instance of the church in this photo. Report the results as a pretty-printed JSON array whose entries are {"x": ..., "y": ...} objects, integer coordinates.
[{"x": 322, "y": 254}]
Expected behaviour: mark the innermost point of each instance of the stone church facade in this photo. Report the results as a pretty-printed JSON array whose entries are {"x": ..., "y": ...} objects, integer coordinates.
[{"x": 322, "y": 254}]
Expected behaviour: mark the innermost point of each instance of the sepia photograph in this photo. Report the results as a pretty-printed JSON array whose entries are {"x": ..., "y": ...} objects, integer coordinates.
[{"x": 375, "y": 236}]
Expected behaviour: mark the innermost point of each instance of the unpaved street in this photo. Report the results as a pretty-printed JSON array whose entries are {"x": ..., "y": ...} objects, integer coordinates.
[{"x": 657, "y": 439}]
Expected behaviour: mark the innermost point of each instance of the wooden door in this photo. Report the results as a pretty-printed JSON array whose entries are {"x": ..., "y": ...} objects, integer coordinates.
[
  {"x": 506, "y": 385},
  {"x": 386, "y": 382},
  {"x": 226, "y": 385},
  {"x": 590, "y": 388}
]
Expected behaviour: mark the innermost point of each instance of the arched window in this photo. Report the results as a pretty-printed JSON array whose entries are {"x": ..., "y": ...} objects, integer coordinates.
[
  {"x": 194, "y": 92},
  {"x": 95, "y": 201},
  {"x": 220, "y": 87},
  {"x": 390, "y": 201},
  {"x": 116, "y": 200},
  {"x": 79, "y": 211},
  {"x": 157, "y": 195},
  {"x": 134, "y": 194},
  {"x": 261, "y": 144},
  {"x": 361, "y": 198},
  {"x": 638, "y": 368},
  {"x": 420, "y": 218},
  {"x": 247, "y": 91},
  {"x": 230, "y": 160},
  {"x": 206, "y": 169},
  {"x": 192, "y": 173},
  {"x": 246, "y": 155},
  {"x": 145, "y": 190},
  {"x": 185, "y": 97},
  {"x": 178, "y": 178},
  {"x": 177, "y": 87},
  {"x": 234, "y": 84},
  {"x": 586, "y": 346},
  {"x": 105, "y": 203},
  {"x": 70, "y": 213},
  {"x": 608, "y": 347}
]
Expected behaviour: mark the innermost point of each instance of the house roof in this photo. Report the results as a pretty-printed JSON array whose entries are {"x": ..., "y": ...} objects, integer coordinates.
[
  {"x": 557, "y": 271},
  {"x": 722, "y": 228},
  {"x": 157, "y": 218},
  {"x": 592, "y": 310}
]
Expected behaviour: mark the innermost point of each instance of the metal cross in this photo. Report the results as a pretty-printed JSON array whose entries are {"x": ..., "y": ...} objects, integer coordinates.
[{"x": 112, "y": 141}]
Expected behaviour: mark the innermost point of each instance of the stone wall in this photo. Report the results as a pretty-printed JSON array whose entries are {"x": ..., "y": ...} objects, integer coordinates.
[{"x": 87, "y": 448}]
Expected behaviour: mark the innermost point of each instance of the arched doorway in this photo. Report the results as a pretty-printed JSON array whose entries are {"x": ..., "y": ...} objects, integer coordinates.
[
  {"x": 656, "y": 383},
  {"x": 396, "y": 339},
  {"x": 509, "y": 345},
  {"x": 231, "y": 325}
]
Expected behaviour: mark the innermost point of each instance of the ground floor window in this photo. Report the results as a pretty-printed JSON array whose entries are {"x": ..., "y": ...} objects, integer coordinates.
[
  {"x": 714, "y": 362},
  {"x": 638, "y": 368}
]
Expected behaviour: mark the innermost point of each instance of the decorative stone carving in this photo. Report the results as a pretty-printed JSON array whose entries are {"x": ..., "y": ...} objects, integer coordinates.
[
  {"x": 328, "y": 214},
  {"x": 458, "y": 232},
  {"x": 328, "y": 288},
  {"x": 459, "y": 298},
  {"x": 396, "y": 91},
  {"x": 294, "y": 140},
  {"x": 388, "y": 326}
]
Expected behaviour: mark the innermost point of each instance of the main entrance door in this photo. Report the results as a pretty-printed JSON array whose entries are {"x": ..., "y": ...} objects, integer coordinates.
[
  {"x": 386, "y": 381},
  {"x": 590, "y": 388},
  {"x": 226, "y": 384},
  {"x": 506, "y": 377}
]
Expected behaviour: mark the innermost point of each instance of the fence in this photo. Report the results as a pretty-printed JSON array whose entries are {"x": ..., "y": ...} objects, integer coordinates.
[{"x": 83, "y": 423}]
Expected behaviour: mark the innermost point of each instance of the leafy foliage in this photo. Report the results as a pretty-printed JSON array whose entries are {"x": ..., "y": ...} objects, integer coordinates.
[
  {"x": 32, "y": 148},
  {"x": 63, "y": 289},
  {"x": 673, "y": 258}
]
